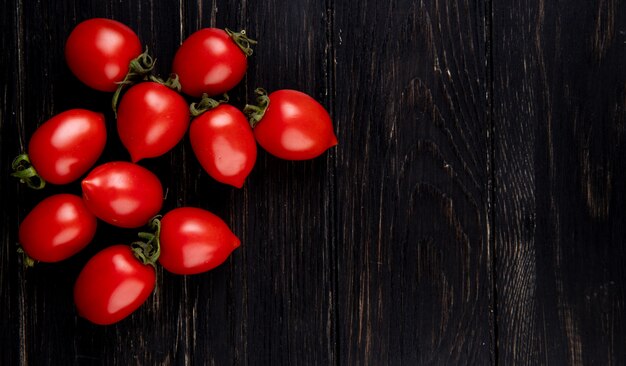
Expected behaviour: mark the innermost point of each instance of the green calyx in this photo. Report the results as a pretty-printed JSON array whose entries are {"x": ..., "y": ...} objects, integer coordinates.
[
  {"x": 206, "y": 104},
  {"x": 26, "y": 260},
  {"x": 148, "y": 250},
  {"x": 26, "y": 173},
  {"x": 256, "y": 112},
  {"x": 138, "y": 69},
  {"x": 242, "y": 41},
  {"x": 172, "y": 82}
]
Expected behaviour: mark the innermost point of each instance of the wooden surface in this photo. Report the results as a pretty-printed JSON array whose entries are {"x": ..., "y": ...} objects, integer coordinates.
[{"x": 472, "y": 213}]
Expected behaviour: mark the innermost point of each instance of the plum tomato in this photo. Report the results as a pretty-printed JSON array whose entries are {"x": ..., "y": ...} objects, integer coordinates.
[
  {"x": 212, "y": 61},
  {"x": 123, "y": 194},
  {"x": 223, "y": 143},
  {"x": 112, "y": 285},
  {"x": 291, "y": 125},
  {"x": 65, "y": 147},
  {"x": 57, "y": 228},
  {"x": 98, "y": 52},
  {"x": 151, "y": 120},
  {"x": 194, "y": 240}
]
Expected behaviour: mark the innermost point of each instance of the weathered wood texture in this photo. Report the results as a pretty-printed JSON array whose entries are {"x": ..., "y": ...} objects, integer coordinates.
[
  {"x": 472, "y": 212},
  {"x": 559, "y": 115},
  {"x": 413, "y": 261}
]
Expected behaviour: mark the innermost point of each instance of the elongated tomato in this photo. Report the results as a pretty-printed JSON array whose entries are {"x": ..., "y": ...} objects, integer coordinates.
[
  {"x": 123, "y": 194},
  {"x": 194, "y": 240},
  {"x": 212, "y": 61},
  {"x": 57, "y": 228},
  {"x": 99, "y": 51},
  {"x": 67, "y": 145},
  {"x": 112, "y": 285},
  {"x": 291, "y": 125},
  {"x": 151, "y": 120},
  {"x": 223, "y": 142}
]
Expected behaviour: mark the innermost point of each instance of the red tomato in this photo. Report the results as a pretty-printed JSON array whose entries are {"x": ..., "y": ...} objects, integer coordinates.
[
  {"x": 151, "y": 120},
  {"x": 223, "y": 142},
  {"x": 209, "y": 61},
  {"x": 123, "y": 194},
  {"x": 194, "y": 241},
  {"x": 57, "y": 228},
  {"x": 112, "y": 285},
  {"x": 98, "y": 51},
  {"x": 294, "y": 126},
  {"x": 67, "y": 145}
]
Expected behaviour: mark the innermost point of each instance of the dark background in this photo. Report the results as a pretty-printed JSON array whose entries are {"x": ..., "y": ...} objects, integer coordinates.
[{"x": 472, "y": 213}]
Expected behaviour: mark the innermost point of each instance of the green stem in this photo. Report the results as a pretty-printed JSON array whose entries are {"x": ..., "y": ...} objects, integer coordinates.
[
  {"x": 138, "y": 68},
  {"x": 256, "y": 112},
  {"x": 242, "y": 41},
  {"x": 26, "y": 259},
  {"x": 148, "y": 251},
  {"x": 26, "y": 173},
  {"x": 172, "y": 82},
  {"x": 206, "y": 104}
]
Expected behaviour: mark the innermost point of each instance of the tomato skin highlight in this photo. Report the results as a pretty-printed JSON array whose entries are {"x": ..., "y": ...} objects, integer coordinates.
[
  {"x": 64, "y": 147},
  {"x": 151, "y": 120},
  {"x": 194, "y": 240},
  {"x": 123, "y": 194},
  {"x": 98, "y": 52},
  {"x": 223, "y": 143},
  {"x": 112, "y": 285},
  {"x": 57, "y": 228},
  {"x": 295, "y": 126},
  {"x": 209, "y": 61}
]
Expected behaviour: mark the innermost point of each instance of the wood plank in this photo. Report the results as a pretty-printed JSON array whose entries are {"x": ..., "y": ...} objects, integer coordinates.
[
  {"x": 11, "y": 123},
  {"x": 283, "y": 284},
  {"x": 49, "y": 328},
  {"x": 559, "y": 111},
  {"x": 273, "y": 299},
  {"x": 414, "y": 281},
  {"x": 197, "y": 311}
]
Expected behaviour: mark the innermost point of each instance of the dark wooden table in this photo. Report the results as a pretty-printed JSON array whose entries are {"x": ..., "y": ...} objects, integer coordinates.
[{"x": 472, "y": 213}]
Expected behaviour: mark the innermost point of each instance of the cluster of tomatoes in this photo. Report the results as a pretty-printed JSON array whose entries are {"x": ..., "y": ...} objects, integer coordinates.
[{"x": 152, "y": 118}]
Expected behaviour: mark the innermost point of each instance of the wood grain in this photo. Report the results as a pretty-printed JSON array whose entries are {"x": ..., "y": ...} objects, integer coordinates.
[
  {"x": 272, "y": 302},
  {"x": 414, "y": 280},
  {"x": 472, "y": 212},
  {"x": 560, "y": 182},
  {"x": 11, "y": 74},
  {"x": 288, "y": 269}
]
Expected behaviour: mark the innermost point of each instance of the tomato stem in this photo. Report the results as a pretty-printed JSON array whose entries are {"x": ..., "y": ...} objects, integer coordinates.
[
  {"x": 172, "y": 82},
  {"x": 138, "y": 68},
  {"x": 256, "y": 112},
  {"x": 242, "y": 41},
  {"x": 26, "y": 259},
  {"x": 26, "y": 173},
  {"x": 148, "y": 251},
  {"x": 206, "y": 104}
]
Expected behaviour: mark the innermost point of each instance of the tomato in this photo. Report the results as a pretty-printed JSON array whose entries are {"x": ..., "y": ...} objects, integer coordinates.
[
  {"x": 112, "y": 285},
  {"x": 194, "y": 240},
  {"x": 211, "y": 61},
  {"x": 57, "y": 228},
  {"x": 294, "y": 126},
  {"x": 63, "y": 148},
  {"x": 123, "y": 194},
  {"x": 151, "y": 120},
  {"x": 98, "y": 51},
  {"x": 223, "y": 142}
]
